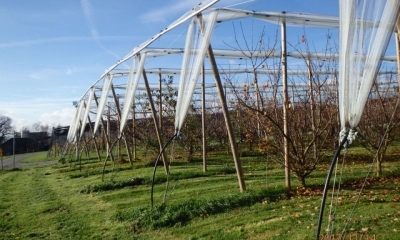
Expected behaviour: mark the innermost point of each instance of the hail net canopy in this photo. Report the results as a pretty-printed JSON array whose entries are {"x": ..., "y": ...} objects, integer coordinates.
[{"x": 365, "y": 30}]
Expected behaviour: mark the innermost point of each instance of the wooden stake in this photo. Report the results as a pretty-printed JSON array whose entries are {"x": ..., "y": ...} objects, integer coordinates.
[
  {"x": 203, "y": 120},
  {"x": 116, "y": 100},
  {"x": 285, "y": 105},
  {"x": 104, "y": 130},
  {"x": 228, "y": 123},
  {"x": 225, "y": 112},
  {"x": 156, "y": 124}
]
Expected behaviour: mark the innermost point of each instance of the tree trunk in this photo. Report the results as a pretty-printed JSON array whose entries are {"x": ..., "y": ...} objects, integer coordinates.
[
  {"x": 302, "y": 180},
  {"x": 378, "y": 164},
  {"x": 191, "y": 151}
]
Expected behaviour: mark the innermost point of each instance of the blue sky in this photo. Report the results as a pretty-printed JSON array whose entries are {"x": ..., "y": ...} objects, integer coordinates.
[{"x": 51, "y": 52}]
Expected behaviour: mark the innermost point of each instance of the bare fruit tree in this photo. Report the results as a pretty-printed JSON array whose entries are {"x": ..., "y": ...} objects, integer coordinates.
[
  {"x": 311, "y": 114},
  {"x": 380, "y": 118}
]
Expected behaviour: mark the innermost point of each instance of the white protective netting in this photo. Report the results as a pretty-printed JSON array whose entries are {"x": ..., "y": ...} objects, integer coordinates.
[
  {"x": 87, "y": 110},
  {"x": 365, "y": 30},
  {"x": 104, "y": 96},
  {"x": 71, "y": 133},
  {"x": 192, "y": 65},
  {"x": 76, "y": 122},
  {"x": 131, "y": 86},
  {"x": 364, "y": 35}
]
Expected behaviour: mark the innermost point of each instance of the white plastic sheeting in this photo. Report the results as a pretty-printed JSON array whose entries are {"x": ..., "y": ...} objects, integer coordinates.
[
  {"x": 242, "y": 54},
  {"x": 87, "y": 110},
  {"x": 131, "y": 86},
  {"x": 104, "y": 95},
  {"x": 190, "y": 73},
  {"x": 71, "y": 133},
  {"x": 302, "y": 19},
  {"x": 193, "y": 12},
  {"x": 176, "y": 71},
  {"x": 76, "y": 124},
  {"x": 361, "y": 48}
]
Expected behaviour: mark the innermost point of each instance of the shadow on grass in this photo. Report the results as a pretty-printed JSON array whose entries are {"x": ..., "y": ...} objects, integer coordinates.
[
  {"x": 182, "y": 213},
  {"x": 114, "y": 185}
]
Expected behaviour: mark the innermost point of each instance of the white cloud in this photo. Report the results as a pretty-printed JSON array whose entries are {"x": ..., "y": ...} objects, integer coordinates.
[
  {"x": 51, "y": 74},
  {"x": 24, "y": 113},
  {"x": 17, "y": 122},
  {"x": 44, "y": 74},
  {"x": 61, "y": 117},
  {"x": 68, "y": 71},
  {"x": 20, "y": 123}
]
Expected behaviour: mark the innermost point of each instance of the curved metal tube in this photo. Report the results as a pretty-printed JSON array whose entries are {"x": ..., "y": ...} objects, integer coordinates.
[
  {"x": 155, "y": 167},
  {"x": 328, "y": 178}
]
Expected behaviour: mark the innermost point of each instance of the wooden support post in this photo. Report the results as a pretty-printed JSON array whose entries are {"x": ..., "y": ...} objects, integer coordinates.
[
  {"x": 203, "y": 120},
  {"x": 134, "y": 130},
  {"x": 76, "y": 150},
  {"x": 104, "y": 130},
  {"x": 285, "y": 105},
  {"x": 117, "y": 123},
  {"x": 228, "y": 123},
  {"x": 116, "y": 100},
  {"x": 108, "y": 137},
  {"x": 258, "y": 98},
  {"x": 160, "y": 103},
  {"x": 94, "y": 139},
  {"x": 225, "y": 112},
  {"x": 85, "y": 147},
  {"x": 155, "y": 119},
  {"x": 312, "y": 106},
  {"x": 397, "y": 34}
]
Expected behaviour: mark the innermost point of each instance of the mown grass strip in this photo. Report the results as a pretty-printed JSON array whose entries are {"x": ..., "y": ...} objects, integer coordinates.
[
  {"x": 182, "y": 213},
  {"x": 37, "y": 157},
  {"x": 113, "y": 185}
]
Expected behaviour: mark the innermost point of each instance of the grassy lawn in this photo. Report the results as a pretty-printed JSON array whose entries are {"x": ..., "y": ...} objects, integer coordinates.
[
  {"x": 38, "y": 157},
  {"x": 69, "y": 201}
]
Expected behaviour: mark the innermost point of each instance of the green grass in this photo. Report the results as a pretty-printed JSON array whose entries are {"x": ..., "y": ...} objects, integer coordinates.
[
  {"x": 38, "y": 157},
  {"x": 69, "y": 201}
]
